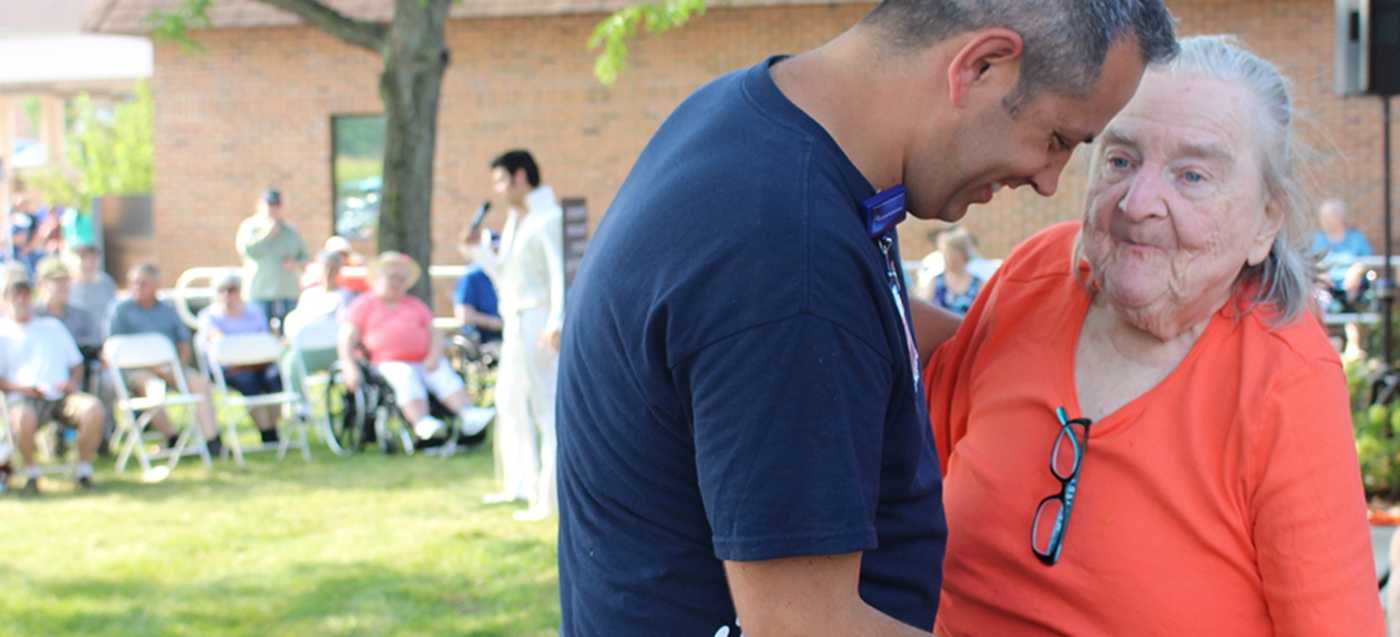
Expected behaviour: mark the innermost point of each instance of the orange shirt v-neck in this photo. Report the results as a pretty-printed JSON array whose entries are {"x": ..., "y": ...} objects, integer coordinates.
[{"x": 1224, "y": 501}]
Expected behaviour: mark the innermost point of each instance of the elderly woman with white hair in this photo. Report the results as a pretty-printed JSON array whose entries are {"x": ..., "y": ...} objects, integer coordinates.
[
  {"x": 1142, "y": 425},
  {"x": 395, "y": 331}
]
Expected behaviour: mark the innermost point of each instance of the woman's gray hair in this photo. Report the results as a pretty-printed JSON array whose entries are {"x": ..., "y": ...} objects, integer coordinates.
[{"x": 1285, "y": 277}]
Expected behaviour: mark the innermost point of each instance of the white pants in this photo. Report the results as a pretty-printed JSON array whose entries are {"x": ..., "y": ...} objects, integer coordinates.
[
  {"x": 525, "y": 386},
  {"x": 410, "y": 381}
]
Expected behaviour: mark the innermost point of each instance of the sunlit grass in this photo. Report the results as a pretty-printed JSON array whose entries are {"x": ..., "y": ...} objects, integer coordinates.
[{"x": 364, "y": 545}]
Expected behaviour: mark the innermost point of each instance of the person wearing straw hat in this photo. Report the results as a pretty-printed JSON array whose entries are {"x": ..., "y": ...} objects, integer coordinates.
[
  {"x": 43, "y": 371},
  {"x": 395, "y": 331},
  {"x": 54, "y": 294}
]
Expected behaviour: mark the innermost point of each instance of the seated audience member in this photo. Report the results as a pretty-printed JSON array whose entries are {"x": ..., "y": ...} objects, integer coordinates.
[
  {"x": 1143, "y": 427},
  {"x": 1340, "y": 246},
  {"x": 144, "y": 313},
  {"x": 42, "y": 374},
  {"x": 229, "y": 315},
  {"x": 395, "y": 330},
  {"x": 55, "y": 300},
  {"x": 955, "y": 287},
  {"x": 339, "y": 246},
  {"x": 92, "y": 289},
  {"x": 21, "y": 230},
  {"x": 474, "y": 298},
  {"x": 323, "y": 300}
]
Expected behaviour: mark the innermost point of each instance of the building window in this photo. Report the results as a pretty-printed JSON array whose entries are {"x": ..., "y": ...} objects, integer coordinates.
[{"x": 357, "y": 172}]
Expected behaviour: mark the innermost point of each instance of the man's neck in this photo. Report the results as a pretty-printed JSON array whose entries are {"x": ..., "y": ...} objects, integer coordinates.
[
  {"x": 146, "y": 303},
  {"x": 55, "y": 307},
  {"x": 866, "y": 111}
]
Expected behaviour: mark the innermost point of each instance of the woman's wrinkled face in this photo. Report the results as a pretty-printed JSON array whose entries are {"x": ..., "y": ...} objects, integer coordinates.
[{"x": 1177, "y": 204}]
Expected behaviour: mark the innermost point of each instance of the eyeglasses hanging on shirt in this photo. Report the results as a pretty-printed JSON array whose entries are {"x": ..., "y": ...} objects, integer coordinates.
[{"x": 881, "y": 213}]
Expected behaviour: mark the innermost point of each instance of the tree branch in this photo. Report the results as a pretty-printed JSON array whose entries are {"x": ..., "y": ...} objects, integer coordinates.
[
  {"x": 613, "y": 32},
  {"x": 367, "y": 35}
]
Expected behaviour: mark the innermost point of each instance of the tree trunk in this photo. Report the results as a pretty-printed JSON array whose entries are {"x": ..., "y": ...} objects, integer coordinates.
[{"x": 415, "y": 57}]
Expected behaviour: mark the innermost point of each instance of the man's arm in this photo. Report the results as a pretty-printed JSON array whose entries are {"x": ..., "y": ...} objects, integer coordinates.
[
  {"x": 466, "y": 314},
  {"x": 75, "y": 379},
  {"x": 814, "y": 595},
  {"x": 932, "y": 326}
]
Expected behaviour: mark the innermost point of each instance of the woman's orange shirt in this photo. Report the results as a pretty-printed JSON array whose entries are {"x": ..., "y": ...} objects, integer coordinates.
[{"x": 1224, "y": 501}]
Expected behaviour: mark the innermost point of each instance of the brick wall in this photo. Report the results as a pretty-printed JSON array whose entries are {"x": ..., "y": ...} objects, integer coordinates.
[{"x": 254, "y": 108}]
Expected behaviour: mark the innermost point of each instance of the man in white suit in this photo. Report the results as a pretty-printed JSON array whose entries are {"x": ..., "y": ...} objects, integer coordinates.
[{"x": 528, "y": 272}]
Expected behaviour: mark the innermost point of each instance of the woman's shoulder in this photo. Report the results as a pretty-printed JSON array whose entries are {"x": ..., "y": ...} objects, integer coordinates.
[{"x": 1273, "y": 353}]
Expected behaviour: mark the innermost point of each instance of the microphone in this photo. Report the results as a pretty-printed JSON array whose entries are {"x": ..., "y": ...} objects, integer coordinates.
[{"x": 480, "y": 216}]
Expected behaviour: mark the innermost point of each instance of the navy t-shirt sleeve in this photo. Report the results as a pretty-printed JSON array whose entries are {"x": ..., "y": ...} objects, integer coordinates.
[{"x": 789, "y": 419}]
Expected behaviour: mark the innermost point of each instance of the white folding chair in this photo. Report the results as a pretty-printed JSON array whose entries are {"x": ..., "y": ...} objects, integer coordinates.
[
  {"x": 140, "y": 351},
  {"x": 316, "y": 336},
  {"x": 239, "y": 350}
]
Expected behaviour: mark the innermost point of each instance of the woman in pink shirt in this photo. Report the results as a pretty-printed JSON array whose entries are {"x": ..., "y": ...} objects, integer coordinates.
[{"x": 395, "y": 331}]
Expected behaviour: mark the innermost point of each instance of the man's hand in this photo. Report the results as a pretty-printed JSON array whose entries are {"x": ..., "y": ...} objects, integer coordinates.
[
  {"x": 291, "y": 265},
  {"x": 549, "y": 339},
  {"x": 67, "y": 387}
]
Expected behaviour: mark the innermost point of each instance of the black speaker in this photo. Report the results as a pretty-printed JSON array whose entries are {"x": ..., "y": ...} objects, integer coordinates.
[
  {"x": 1382, "y": 39},
  {"x": 1367, "y": 47}
]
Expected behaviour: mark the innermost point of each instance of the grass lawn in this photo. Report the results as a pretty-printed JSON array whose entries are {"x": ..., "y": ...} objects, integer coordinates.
[{"x": 364, "y": 545}]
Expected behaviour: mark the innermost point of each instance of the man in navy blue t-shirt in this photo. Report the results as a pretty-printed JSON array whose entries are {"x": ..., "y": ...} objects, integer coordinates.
[
  {"x": 743, "y": 441},
  {"x": 474, "y": 304}
]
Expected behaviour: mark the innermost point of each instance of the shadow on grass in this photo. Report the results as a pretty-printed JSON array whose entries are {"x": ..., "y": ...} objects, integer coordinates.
[
  {"x": 303, "y": 599},
  {"x": 263, "y": 473}
]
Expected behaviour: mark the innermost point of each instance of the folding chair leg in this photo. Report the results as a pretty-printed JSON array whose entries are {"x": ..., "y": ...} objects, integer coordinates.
[
  {"x": 132, "y": 442},
  {"x": 284, "y": 441},
  {"x": 231, "y": 432}
]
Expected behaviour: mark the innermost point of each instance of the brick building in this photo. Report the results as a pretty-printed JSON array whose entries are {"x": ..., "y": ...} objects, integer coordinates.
[{"x": 255, "y": 107}]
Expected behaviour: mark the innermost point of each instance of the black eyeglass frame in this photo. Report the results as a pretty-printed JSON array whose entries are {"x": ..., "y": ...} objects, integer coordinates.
[{"x": 1068, "y": 486}]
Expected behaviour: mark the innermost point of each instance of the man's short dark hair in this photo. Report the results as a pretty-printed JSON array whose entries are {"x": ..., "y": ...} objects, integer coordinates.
[
  {"x": 517, "y": 160},
  {"x": 1066, "y": 41},
  {"x": 147, "y": 269}
]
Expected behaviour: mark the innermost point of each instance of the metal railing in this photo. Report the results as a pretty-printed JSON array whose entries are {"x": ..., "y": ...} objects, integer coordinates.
[{"x": 196, "y": 285}]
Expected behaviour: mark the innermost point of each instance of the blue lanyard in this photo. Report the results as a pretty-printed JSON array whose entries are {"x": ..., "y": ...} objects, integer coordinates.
[{"x": 881, "y": 213}]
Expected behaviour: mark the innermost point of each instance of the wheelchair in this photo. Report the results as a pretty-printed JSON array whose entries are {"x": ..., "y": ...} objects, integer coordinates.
[{"x": 369, "y": 415}]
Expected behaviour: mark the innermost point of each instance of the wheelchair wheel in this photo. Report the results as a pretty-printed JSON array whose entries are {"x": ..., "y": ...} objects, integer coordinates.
[{"x": 351, "y": 413}]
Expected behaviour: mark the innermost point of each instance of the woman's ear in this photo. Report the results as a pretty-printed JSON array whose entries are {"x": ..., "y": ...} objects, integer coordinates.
[
  {"x": 1269, "y": 227},
  {"x": 991, "y": 57}
]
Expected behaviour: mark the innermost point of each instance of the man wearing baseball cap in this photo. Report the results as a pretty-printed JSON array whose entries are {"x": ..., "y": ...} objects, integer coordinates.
[
  {"x": 273, "y": 254},
  {"x": 42, "y": 373}
]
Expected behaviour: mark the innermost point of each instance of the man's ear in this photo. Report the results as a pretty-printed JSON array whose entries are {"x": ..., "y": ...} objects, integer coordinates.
[{"x": 990, "y": 56}]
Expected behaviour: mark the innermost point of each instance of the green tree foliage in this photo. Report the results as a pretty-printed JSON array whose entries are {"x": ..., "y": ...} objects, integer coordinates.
[
  {"x": 175, "y": 25},
  {"x": 105, "y": 156},
  {"x": 611, "y": 35}
]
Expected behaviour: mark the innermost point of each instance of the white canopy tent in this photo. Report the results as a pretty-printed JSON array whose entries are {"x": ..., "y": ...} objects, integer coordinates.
[{"x": 44, "y": 54}]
